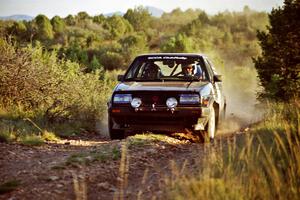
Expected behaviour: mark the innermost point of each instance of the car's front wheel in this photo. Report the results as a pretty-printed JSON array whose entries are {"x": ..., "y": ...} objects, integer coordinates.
[
  {"x": 115, "y": 134},
  {"x": 210, "y": 128}
]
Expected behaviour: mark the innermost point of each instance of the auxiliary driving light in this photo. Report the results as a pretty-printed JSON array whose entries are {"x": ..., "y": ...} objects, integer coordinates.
[
  {"x": 171, "y": 102},
  {"x": 136, "y": 102}
]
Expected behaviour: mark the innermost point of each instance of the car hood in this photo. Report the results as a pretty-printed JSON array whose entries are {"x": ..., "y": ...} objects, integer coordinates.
[{"x": 161, "y": 86}]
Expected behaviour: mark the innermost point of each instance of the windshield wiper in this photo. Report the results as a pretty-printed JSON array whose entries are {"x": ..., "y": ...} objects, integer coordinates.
[
  {"x": 191, "y": 78},
  {"x": 129, "y": 79}
]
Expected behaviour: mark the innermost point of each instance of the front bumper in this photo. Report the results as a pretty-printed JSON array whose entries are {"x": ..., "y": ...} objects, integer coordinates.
[{"x": 158, "y": 118}]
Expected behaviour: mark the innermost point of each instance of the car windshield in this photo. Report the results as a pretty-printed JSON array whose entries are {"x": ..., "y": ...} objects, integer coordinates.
[{"x": 167, "y": 68}]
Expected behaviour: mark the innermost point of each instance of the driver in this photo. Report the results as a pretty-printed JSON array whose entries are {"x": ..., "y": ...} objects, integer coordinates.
[{"x": 188, "y": 70}]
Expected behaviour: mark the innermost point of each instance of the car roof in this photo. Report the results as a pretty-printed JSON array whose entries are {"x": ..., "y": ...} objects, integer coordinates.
[{"x": 172, "y": 54}]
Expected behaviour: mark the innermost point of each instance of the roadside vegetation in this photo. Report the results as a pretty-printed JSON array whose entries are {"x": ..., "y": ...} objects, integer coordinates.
[
  {"x": 42, "y": 95},
  {"x": 265, "y": 163}
]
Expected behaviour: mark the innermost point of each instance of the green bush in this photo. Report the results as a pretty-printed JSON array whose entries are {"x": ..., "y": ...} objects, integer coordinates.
[
  {"x": 6, "y": 136},
  {"x": 31, "y": 140},
  {"x": 178, "y": 44},
  {"x": 48, "y": 87}
]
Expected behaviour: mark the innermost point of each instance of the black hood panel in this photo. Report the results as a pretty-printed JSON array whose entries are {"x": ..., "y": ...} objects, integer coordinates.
[{"x": 161, "y": 86}]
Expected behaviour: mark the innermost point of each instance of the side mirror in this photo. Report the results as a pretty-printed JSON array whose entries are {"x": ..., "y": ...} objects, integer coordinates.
[
  {"x": 217, "y": 78},
  {"x": 120, "y": 77}
]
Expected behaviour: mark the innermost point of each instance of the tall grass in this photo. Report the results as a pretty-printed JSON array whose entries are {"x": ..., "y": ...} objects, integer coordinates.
[{"x": 264, "y": 164}]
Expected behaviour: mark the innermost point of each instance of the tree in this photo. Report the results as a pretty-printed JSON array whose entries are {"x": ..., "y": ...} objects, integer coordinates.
[
  {"x": 99, "y": 19},
  {"x": 139, "y": 18},
  {"x": 133, "y": 45},
  {"x": 19, "y": 29},
  {"x": 117, "y": 26},
  {"x": 59, "y": 28},
  {"x": 203, "y": 18},
  {"x": 81, "y": 16},
  {"x": 95, "y": 66},
  {"x": 279, "y": 65},
  {"x": 70, "y": 20},
  {"x": 58, "y": 24},
  {"x": 179, "y": 43},
  {"x": 44, "y": 28}
]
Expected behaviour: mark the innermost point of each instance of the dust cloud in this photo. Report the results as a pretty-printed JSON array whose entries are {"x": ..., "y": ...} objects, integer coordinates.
[
  {"x": 240, "y": 87},
  {"x": 101, "y": 126}
]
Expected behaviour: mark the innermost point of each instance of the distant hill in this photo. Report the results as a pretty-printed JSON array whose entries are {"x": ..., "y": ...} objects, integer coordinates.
[
  {"x": 118, "y": 13},
  {"x": 156, "y": 12},
  {"x": 17, "y": 17}
]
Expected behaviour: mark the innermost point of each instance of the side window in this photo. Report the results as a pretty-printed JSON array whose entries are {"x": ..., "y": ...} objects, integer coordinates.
[
  {"x": 133, "y": 70},
  {"x": 141, "y": 70}
]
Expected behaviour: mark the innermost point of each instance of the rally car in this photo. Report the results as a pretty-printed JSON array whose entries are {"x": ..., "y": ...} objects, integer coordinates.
[{"x": 167, "y": 92}]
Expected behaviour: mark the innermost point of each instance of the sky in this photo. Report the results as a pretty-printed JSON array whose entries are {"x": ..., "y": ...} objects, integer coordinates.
[{"x": 95, "y": 7}]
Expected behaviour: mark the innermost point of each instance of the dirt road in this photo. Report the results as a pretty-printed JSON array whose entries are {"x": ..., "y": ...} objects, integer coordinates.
[{"x": 92, "y": 167}]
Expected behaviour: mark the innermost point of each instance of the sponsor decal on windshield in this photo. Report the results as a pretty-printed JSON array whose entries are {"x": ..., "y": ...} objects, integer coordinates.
[{"x": 167, "y": 58}]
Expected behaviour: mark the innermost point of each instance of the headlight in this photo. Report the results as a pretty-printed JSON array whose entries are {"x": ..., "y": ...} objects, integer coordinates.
[
  {"x": 122, "y": 98},
  {"x": 136, "y": 102},
  {"x": 189, "y": 99},
  {"x": 171, "y": 102}
]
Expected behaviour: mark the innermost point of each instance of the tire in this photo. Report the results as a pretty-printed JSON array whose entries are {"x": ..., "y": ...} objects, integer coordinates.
[
  {"x": 210, "y": 128},
  {"x": 115, "y": 134}
]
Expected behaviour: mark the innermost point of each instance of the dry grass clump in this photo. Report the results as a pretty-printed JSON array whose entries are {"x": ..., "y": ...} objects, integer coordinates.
[{"x": 264, "y": 164}]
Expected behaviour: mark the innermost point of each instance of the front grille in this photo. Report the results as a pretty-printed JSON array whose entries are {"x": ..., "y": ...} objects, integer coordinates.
[
  {"x": 157, "y": 98},
  {"x": 154, "y": 120}
]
